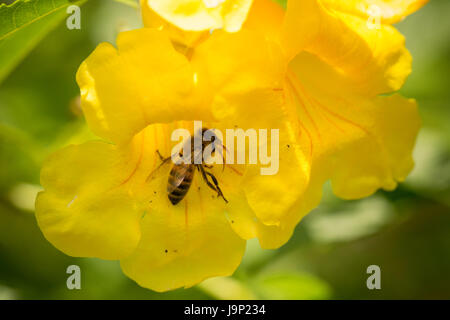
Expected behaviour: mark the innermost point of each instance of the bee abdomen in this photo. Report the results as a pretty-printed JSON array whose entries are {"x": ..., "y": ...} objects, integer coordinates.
[
  {"x": 177, "y": 194},
  {"x": 177, "y": 189}
]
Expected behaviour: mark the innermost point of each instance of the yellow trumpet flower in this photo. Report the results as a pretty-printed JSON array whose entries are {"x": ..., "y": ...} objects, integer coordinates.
[{"x": 316, "y": 71}]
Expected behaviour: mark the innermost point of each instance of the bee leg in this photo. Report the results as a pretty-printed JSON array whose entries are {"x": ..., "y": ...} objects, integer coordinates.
[
  {"x": 216, "y": 183},
  {"x": 216, "y": 187},
  {"x": 202, "y": 170},
  {"x": 207, "y": 166},
  {"x": 223, "y": 159}
]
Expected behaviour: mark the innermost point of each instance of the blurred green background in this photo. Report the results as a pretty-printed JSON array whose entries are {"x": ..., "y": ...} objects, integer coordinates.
[{"x": 405, "y": 232}]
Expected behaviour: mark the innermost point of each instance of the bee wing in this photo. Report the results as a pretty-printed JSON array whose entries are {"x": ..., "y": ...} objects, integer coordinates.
[
  {"x": 153, "y": 174},
  {"x": 177, "y": 175}
]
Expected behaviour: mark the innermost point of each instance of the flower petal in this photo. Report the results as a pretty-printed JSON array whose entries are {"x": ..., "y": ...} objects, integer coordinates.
[
  {"x": 183, "y": 40},
  {"x": 198, "y": 15},
  {"x": 99, "y": 198},
  {"x": 144, "y": 81},
  {"x": 96, "y": 193},
  {"x": 184, "y": 244},
  {"x": 362, "y": 144},
  {"x": 247, "y": 96},
  {"x": 226, "y": 65},
  {"x": 266, "y": 17},
  {"x": 359, "y": 144},
  {"x": 373, "y": 58},
  {"x": 389, "y": 11},
  {"x": 83, "y": 210},
  {"x": 273, "y": 237}
]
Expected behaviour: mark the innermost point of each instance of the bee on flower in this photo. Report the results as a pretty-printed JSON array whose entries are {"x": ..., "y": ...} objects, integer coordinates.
[{"x": 315, "y": 71}]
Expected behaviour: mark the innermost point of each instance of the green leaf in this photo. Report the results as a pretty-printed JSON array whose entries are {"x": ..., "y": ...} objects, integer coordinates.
[
  {"x": 131, "y": 3},
  {"x": 292, "y": 286},
  {"x": 23, "y": 24},
  {"x": 226, "y": 288}
]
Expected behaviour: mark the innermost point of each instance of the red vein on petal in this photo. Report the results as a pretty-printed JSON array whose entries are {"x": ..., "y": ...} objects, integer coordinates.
[
  {"x": 320, "y": 105},
  {"x": 235, "y": 170},
  {"x": 291, "y": 82},
  {"x": 186, "y": 216},
  {"x": 141, "y": 155},
  {"x": 200, "y": 199},
  {"x": 302, "y": 127}
]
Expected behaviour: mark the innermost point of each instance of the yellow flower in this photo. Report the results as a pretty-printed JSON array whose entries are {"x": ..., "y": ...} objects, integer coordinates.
[
  {"x": 315, "y": 72},
  {"x": 200, "y": 15},
  {"x": 338, "y": 114},
  {"x": 389, "y": 11},
  {"x": 189, "y": 22}
]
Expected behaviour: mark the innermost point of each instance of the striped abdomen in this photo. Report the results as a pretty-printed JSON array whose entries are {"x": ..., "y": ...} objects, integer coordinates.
[{"x": 180, "y": 179}]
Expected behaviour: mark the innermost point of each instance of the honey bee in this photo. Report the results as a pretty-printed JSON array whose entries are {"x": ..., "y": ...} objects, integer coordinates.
[{"x": 182, "y": 174}]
